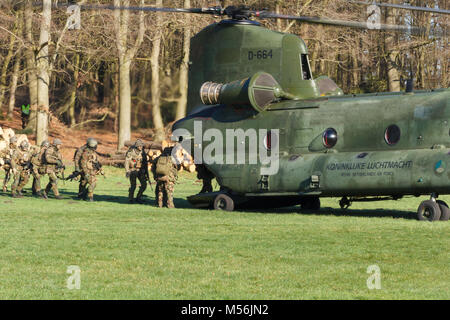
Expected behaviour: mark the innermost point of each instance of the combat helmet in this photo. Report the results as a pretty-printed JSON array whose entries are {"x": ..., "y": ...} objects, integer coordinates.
[
  {"x": 57, "y": 142},
  {"x": 13, "y": 139},
  {"x": 45, "y": 144},
  {"x": 24, "y": 145},
  {"x": 92, "y": 143},
  {"x": 139, "y": 143}
]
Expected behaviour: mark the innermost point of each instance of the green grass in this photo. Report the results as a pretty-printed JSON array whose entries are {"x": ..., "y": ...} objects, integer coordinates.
[{"x": 141, "y": 252}]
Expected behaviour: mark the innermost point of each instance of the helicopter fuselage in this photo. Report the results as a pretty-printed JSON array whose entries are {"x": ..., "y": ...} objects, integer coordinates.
[{"x": 385, "y": 144}]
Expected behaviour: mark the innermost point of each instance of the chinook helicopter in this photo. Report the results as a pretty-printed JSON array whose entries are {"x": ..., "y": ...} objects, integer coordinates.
[
  {"x": 274, "y": 136},
  {"x": 364, "y": 147}
]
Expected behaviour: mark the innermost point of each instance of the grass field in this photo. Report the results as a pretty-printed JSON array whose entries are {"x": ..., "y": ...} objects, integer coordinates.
[{"x": 140, "y": 252}]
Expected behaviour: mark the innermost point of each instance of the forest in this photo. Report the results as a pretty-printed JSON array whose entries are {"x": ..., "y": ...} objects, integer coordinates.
[{"x": 121, "y": 70}]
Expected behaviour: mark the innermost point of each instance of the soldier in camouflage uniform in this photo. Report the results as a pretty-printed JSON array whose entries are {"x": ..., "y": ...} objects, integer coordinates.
[
  {"x": 5, "y": 156},
  {"x": 204, "y": 174},
  {"x": 39, "y": 169},
  {"x": 136, "y": 167},
  {"x": 90, "y": 168},
  {"x": 82, "y": 191},
  {"x": 21, "y": 168},
  {"x": 165, "y": 173},
  {"x": 54, "y": 165}
]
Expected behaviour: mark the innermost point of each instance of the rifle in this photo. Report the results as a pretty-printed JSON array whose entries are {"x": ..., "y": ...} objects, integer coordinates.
[
  {"x": 28, "y": 165},
  {"x": 60, "y": 168},
  {"x": 74, "y": 175},
  {"x": 148, "y": 176}
]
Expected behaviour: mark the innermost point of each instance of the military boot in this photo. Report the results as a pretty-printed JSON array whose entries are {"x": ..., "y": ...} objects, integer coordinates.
[
  {"x": 41, "y": 194},
  {"x": 56, "y": 193},
  {"x": 83, "y": 195},
  {"x": 16, "y": 194},
  {"x": 130, "y": 195},
  {"x": 44, "y": 195},
  {"x": 139, "y": 196},
  {"x": 81, "y": 190}
]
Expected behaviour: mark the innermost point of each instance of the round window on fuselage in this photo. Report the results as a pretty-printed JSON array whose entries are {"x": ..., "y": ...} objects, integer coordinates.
[{"x": 392, "y": 134}]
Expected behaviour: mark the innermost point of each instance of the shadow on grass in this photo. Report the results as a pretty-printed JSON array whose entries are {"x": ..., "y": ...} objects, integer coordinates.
[
  {"x": 72, "y": 197},
  {"x": 182, "y": 203},
  {"x": 365, "y": 213}
]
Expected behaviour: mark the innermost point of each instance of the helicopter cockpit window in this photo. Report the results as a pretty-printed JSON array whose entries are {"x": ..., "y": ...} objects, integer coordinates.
[
  {"x": 306, "y": 71},
  {"x": 392, "y": 134}
]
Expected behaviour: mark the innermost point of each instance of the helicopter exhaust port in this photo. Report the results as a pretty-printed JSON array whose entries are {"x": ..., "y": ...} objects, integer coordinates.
[{"x": 259, "y": 91}]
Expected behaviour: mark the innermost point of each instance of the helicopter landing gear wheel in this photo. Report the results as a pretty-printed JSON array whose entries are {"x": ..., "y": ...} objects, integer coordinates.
[
  {"x": 428, "y": 210},
  {"x": 223, "y": 202},
  {"x": 310, "y": 203},
  {"x": 445, "y": 211},
  {"x": 344, "y": 203}
]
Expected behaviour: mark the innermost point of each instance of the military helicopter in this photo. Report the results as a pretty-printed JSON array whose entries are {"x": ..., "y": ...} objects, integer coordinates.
[
  {"x": 274, "y": 136},
  {"x": 358, "y": 147}
]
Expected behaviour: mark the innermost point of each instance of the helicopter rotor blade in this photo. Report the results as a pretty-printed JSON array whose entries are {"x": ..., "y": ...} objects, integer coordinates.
[
  {"x": 341, "y": 23},
  {"x": 242, "y": 13},
  {"x": 209, "y": 10},
  {"x": 400, "y": 6}
]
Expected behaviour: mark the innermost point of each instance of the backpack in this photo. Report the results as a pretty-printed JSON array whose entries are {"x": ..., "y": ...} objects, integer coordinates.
[{"x": 163, "y": 165}]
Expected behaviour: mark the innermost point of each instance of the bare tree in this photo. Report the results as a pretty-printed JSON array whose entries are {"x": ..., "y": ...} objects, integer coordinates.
[
  {"x": 125, "y": 55},
  {"x": 155, "y": 89},
  {"x": 184, "y": 66},
  {"x": 43, "y": 74}
]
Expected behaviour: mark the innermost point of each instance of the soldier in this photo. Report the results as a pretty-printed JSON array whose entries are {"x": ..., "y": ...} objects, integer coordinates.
[
  {"x": 21, "y": 167},
  {"x": 77, "y": 172},
  {"x": 165, "y": 174},
  {"x": 90, "y": 167},
  {"x": 136, "y": 166},
  {"x": 54, "y": 165},
  {"x": 25, "y": 114},
  {"x": 206, "y": 175},
  {"x": 6, "y": 155},
  {"x": 39, "y": 168}
]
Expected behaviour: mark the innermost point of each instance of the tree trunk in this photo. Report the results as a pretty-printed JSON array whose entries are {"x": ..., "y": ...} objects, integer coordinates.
[
  {"x": 121, "y": 19},
  {"x": 7, "y": 59},
  {"x": 43, "y": 75},
  {"x": 116, "y": 98},
  {"x": 391, "y": 54},
  {"x": 31, "y": 66},
  {"x": 154, "y": 63},
  {"x": 182, "y": 102},
  {"x": 277, "y": 11},
  {"x": 124, "y": 102},
  {"x": 12, "y": 90},
  {"x": 73, "y": 94}
]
